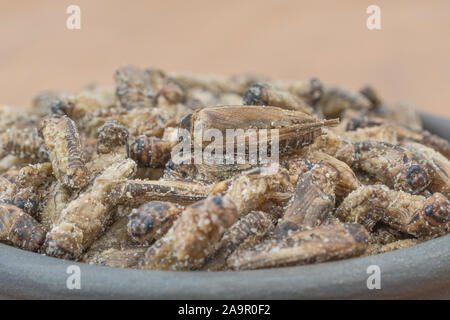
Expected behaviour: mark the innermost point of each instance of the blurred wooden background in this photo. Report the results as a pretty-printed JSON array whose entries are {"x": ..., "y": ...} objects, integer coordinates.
[{"x": 407, "y": 60}]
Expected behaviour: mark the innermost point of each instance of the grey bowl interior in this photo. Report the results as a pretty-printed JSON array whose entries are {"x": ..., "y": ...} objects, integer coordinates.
[{"x": 422, "y": 271}]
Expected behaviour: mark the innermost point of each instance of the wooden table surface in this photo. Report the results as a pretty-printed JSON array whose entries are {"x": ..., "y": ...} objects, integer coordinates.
[{"x": 408, "y": 59}]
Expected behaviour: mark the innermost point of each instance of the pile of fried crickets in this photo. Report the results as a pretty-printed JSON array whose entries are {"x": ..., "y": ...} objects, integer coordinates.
[{"x": 92, "y": 177}]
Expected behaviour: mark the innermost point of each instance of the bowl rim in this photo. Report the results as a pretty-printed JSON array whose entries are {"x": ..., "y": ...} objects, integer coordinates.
[{"x": 421, "y": 271}]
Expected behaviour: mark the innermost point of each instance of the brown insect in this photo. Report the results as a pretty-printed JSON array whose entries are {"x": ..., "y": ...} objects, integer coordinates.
[
  {"x": 151, "y": 220},
  {"x": 43, "y": 101},
  {"x": 173, "y": 98},
  {"x": 247, "y": 231},
  {"x": 100, "y": 162},
  {"x": 149, "y": 151},
  {"x": 252, "y": 188},
  {"x": 23, "y": 143},
  {"x": 13, "y": 118},
  {"x": 323, "y": 243},
  {"x": 63, "y": 141},
  {"x": 193, "y": 236},
  {"x": 436, "y": 142},
  {"x": 416, "y": 215},
  {"x": 35, "y": 175},
  {"x": 25, "y": 196},
  {"x": 138, "y": 121},
  {"x": 82, "y": 220},
  {"x": 259, "y": 94},
  {"x": 103, "y": 95},
  {"x": 313, "y": 200},
  {"x": 19, "y": 228},
  {"x": 75, "y": 107},
  {"x": 390, "y": 164},
  {"x": 371, "y": 94},
  {"x": 136, "y": 88},
  {"x": 171, "y": 93},
  {"x": 110, "y": 147},
  {"x": 310, "y": 90},
  {"x": 403, "y": 114},
  {"x": 335, "y": 100},
  {"x": 28, "y": 200},
  {"x": 438, "y": 164},
  {"x": 316, "y": 192},
  {"x": 296, "y": 129},
  {"x": 150, "y": 122},
  {"x": 403, "y": 132},
  {"x": 111, "y": 136},
  {"x": 346, "y": 179}
]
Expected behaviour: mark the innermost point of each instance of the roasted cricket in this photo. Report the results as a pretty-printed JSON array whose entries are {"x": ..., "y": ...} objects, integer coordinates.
[
  {"x": 310, "y": 90},
  {"x": 252, "y": 188},
  {"x": 415, "y": 215},
  {"x": 111, "y": 135},
  {"x": 150, "y": 151},
  {"x": 403, "y": 132},
  {"x": 389, "y": 164},
  {"x": 295, "y": 129},
  {"x": 193, "y": 236},
  {"x": 439, "y": 166},
  {"x": 84, "y": 218},
  {"x": 247, "y": 231},
  {"x": 324, "y": 243},
  {"x": 136, "y": 88},
  {"x": 19, "y": 228},
  {"x": 335, "y": 100},
  {"x": 62, "y": 139},
  {"x": 23, "y": 143},
  {"x": 152, "y": 220},
  {"x": 314, "y": 199}
]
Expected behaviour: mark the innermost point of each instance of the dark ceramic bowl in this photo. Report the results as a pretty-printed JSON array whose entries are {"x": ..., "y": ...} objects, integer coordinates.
[{"x": 422, "y": 271}]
